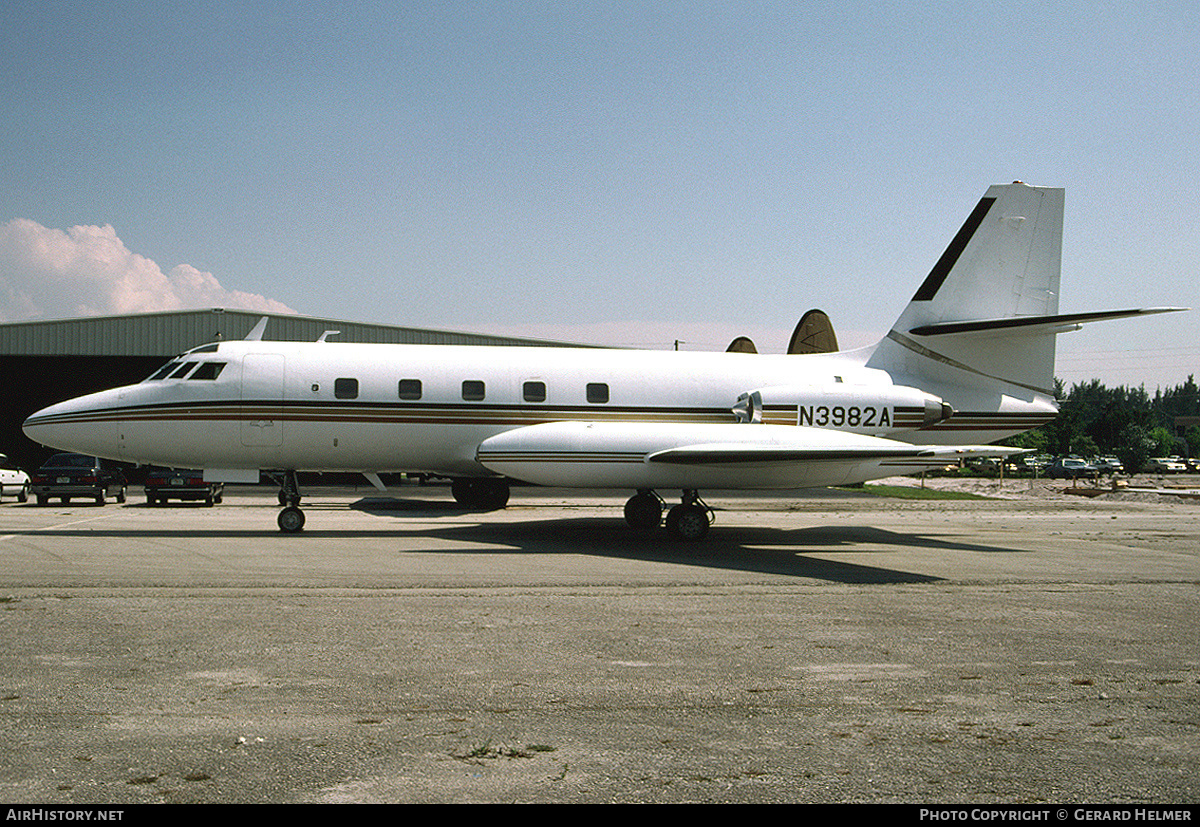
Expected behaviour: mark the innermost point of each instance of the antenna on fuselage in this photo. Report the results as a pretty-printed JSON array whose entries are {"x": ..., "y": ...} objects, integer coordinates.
[{"x": 256, "y": 334}]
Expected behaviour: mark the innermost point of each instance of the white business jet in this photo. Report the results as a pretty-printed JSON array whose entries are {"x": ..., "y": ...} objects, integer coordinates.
[{"x": 970, "y": 361}]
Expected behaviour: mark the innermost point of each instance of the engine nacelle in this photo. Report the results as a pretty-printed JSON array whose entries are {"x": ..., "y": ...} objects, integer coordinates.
[{"x": 861, "y": 409}]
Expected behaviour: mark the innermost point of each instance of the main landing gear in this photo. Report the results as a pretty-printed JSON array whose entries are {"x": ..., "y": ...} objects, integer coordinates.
[
  {"x": 690, "y": 520},
  {"x": 483, "y": 493}
]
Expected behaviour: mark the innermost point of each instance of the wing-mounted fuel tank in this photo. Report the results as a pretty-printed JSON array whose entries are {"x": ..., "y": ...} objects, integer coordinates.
[{"x": 861, "y": 409}]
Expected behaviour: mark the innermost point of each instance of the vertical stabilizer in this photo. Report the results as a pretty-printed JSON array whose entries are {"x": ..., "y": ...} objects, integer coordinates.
[{"x": 1005, "y": 263}]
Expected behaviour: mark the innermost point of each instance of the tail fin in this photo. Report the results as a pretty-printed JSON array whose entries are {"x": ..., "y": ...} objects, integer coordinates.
[{"x": 986, "y": 315}]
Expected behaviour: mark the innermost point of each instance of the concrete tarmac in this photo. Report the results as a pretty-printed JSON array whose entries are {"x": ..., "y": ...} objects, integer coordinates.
[{"x": 817, "y": 647}]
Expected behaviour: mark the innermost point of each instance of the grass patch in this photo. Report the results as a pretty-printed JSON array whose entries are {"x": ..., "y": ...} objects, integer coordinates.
[{"x": 904, "y": 492}]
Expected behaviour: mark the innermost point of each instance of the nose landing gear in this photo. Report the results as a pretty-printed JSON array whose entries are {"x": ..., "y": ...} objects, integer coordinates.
[{"x": 291, "y": 518}]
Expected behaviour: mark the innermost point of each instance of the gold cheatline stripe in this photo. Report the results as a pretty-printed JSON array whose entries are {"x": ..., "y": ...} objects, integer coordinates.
[
  {"x": 453, "y": 415},
  {"x": 438, "y": 415}
]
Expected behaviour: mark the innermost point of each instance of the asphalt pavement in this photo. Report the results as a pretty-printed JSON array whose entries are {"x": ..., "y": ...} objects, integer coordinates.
[{"x": 816, "y": 647}]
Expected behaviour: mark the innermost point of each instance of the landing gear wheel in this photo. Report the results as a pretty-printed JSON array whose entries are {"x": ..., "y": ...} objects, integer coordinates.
[
  {"x": 486, "y": 493},
  {"x": 688, "y": 522},
  {"x": 690, "y": 519},
  {"x": 644, "y": 511},
  {"x": 291, "y": 520}
]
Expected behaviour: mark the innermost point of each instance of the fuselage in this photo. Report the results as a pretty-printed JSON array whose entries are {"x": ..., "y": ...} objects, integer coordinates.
[{"x": 425, "y": 408}]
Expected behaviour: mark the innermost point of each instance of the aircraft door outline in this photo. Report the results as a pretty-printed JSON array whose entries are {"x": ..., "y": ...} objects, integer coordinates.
[{"x": 262, "y": 400}]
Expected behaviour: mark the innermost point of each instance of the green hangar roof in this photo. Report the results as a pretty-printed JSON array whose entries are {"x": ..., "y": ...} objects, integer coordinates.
[{"x": 168, "y": 333}]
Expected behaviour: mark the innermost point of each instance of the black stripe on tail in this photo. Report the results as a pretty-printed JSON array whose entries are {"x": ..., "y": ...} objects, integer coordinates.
[{"x": 946, "y": 263}]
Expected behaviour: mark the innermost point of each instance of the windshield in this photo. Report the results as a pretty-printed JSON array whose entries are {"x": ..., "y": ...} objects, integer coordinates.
[
  {"x": 70, "y": 461},
  {"x": 182, "y": 365}
]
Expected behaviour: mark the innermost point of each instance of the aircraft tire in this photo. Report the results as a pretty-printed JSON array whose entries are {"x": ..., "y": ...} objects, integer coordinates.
[
  {"x": 643, "y": 512},
  {"x": 290, "y": 520},
  {"x": 688, "y": 522},
  {"x": 486, "y": 493}
]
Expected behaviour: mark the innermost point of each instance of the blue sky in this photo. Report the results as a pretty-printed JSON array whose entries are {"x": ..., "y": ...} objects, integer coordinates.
[{"x": 621, "y": 173}]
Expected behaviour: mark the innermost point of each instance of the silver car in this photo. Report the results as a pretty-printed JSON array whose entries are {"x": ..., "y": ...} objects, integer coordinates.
[{"x": 13, "y": 481}]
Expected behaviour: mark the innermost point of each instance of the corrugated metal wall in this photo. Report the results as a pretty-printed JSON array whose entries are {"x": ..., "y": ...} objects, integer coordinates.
[{"x": 165, "y": 334}]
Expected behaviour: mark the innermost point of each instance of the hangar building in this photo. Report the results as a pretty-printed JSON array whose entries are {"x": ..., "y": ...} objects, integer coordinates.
[{"x": 43, "y": 362}]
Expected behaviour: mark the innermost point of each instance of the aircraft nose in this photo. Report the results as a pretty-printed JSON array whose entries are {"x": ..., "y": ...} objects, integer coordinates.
[{"x": 86, "y": 425}]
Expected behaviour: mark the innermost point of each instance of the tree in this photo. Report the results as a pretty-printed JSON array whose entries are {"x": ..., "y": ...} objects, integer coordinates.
[
  {"x": 1192, "y": 437},
  {"x": 1128, "y": 422}
]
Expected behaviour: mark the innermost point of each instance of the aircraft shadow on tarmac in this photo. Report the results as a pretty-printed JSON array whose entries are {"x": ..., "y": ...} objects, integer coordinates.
[{"x": 744, "y": 548}]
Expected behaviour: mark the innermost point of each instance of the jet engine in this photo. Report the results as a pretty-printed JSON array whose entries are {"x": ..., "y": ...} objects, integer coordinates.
[{"x": 859, "y": 409}]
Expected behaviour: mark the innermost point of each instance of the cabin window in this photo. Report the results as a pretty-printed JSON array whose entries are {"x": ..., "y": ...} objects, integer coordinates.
[
  {"x": 597, "y": 392},
  {"x": 410, "y": 388},
  {"x": 535, "y": 391},
  {"x": 208, "y": 370},
  {"x": 345, "y": 388},
  {"x": 183, "y": 370},
  {"x": 472, "y": 390}
]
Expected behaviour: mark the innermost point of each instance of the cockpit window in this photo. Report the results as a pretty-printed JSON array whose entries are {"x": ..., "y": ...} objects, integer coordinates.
[
  {"x": 208, "y": 370},
  {"x": 205, "y": 348},
  {"x": 183, "y": 370},
  {"x": 177, "y": 368},
  {"x": 164, "y": 371}
]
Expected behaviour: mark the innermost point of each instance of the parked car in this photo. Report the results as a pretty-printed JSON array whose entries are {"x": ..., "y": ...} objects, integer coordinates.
[
  {"x": 1108, "y": 465},
  {"x": 1037, "y": 464},
  {"x": 1165, "y": 465},
  {"x": 164, "y": 484},
  {"x": 13, "y": 481},
  {"x": 1069, "y": 468},
  {"x": 77, "y": 475}
]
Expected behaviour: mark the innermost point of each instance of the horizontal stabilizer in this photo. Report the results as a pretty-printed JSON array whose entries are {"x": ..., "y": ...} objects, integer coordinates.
[{"x": 1036, "y": 324}]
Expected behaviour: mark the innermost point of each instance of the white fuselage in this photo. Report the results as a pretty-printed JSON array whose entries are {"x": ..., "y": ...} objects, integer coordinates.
[{"x": 376, "y": 408}]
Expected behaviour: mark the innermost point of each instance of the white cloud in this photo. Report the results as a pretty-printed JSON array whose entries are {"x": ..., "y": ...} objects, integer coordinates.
[{"x": 88, "y": 271}]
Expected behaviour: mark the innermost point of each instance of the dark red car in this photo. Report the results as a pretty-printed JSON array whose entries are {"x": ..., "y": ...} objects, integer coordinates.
[
  {"x": 77, "y": 475},
  {"x": 164, "y": 484}
]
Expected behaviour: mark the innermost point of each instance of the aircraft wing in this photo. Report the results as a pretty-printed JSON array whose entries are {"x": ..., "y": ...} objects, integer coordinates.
[
  {"x": 724, "y": 454},
  {"x": 735, "y": 456}
]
